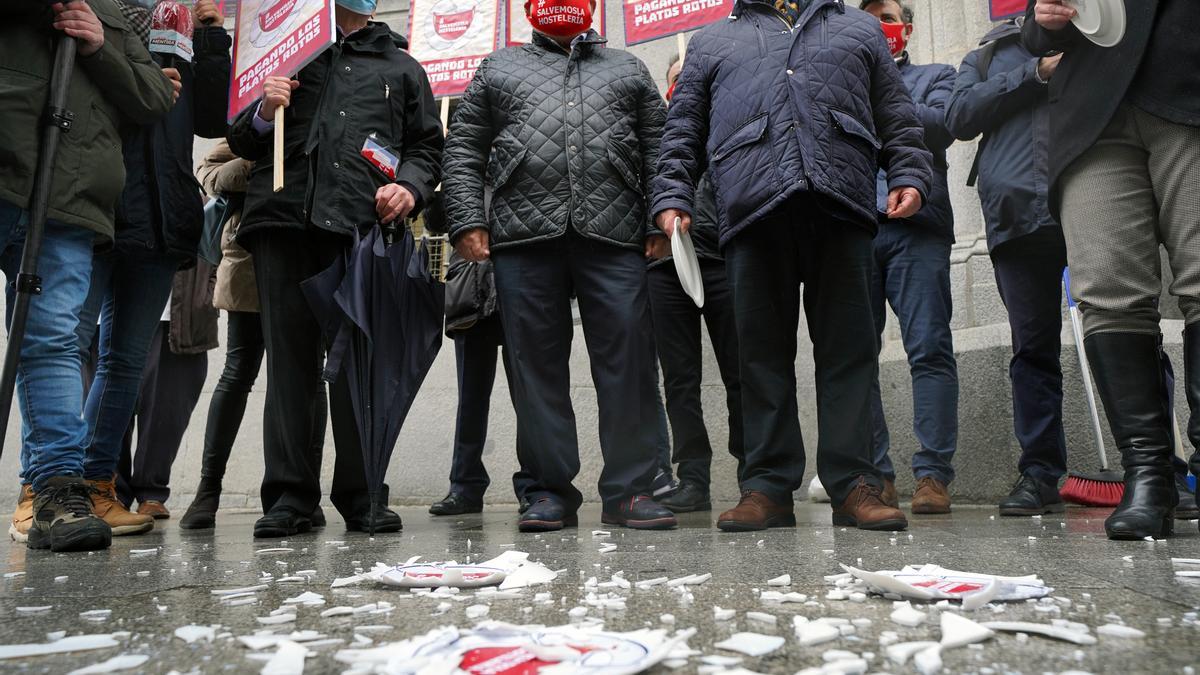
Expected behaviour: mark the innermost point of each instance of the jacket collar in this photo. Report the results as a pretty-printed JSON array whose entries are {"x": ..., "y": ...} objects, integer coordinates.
[
  {"x": 1006, "y": 29},
  {"x": 588, "y": 40},
  {"x": 374, "y": 37},
  {"x": 768, "y": 6}
]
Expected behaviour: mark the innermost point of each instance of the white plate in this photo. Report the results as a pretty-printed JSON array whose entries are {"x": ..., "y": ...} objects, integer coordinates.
[
  {"x": 687, "y": 265},
  {"x": 1101, "y": 21}
]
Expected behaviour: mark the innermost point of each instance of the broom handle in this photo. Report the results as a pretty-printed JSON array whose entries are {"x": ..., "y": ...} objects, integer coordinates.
[{"x": 1086, "y": 370}]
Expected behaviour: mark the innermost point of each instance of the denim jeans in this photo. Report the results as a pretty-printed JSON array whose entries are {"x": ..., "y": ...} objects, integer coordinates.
[
  {"x": 49, "y": 389},
  {"x": 912, "y": 274},
  {"x": 128, "y": 294}
]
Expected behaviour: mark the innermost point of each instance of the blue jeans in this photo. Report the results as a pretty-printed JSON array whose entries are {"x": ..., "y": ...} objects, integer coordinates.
[
  {"x": 128, "y": 294},
  {"x": 912, "y": 274},
  {"x": 49, "y": 389}
]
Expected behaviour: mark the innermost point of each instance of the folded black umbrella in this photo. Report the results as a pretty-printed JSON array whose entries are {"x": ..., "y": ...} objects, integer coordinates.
[{"x": 381, "y": 312}]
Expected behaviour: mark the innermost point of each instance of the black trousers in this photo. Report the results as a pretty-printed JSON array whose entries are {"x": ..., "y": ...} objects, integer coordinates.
[
  {"x": 475, "y": 358},
  {"x": 1029, "y": 276},
  {"x": 768, "y": 262},
  {"x": 535, "y": 282},
  {"x": 244, "y": 351},
  {"x": 171, "y": 385},
  {"x": 677, "y": 336},
  {"x": 295, "y": 355}
]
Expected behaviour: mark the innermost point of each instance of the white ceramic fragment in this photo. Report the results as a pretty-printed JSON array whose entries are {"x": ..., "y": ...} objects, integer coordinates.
[
  {"x": 905, "y": 615},
  {"x": 810, "y": 633},
  {"x": 306, "y": 598},
  {"x": 751, "y": 644},
  {"x": 276, "y": 619},
  {"x": 981, "y": 597},
  {"x": 761, "y": 617},
  {"x": 1118, "y": 631},
  {"x": 75, "y": 643},
  {"x": 901, "y": 652},
  {"x": 246, "y": 589},
  {"x": 287, "y": 660},
  {"x": 1046, "y": 630},
  {"x": 113, "y": 665},
  {"x": 959, "y": 631},
  {"x": 928, "y": 661},
  {"x": 35, "y": 609},
  {"x": 193, "y": 633},
  {"x": 278, "y": 549},
  {"x": 723, "y": 614},
  {"x": 477, "y": 611},
  {"x": 783, "y": 580},
  {"x": 95, "y": 614}
]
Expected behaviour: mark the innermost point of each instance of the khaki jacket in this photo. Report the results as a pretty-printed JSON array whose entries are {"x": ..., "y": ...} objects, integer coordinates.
[{"x": 222, "y": 172}]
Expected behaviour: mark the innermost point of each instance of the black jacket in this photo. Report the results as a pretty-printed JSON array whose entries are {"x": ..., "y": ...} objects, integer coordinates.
[
  {"x": 773, "y": 111},
  {"x": 929, "y": 85},
  {"x": 1009, "y": 107},
  {"x": 706, "y": 225},
  {"x": 559, "y": 138},
  {"x": 1089, "y": 83},
  {"x": 363, "y": 86},
  {"x": 161, "y": 208}
]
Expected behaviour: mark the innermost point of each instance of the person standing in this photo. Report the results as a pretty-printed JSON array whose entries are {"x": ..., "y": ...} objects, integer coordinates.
[
  {"x": 565, "y": 132},
  {"x": 330, "y": 190},
  {"x": 793, "y": 126},
  {"x": 159, "y": 218},
  {"x": 677, "y": 335},
  {"x": 223, "y": 173},
  {"x": 1124, "y": 160},
  {"x": 114, "y": 82},
  {"x": 911, "y": 272}
]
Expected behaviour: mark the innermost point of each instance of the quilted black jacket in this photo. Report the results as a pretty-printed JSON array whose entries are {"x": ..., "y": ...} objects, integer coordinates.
[
  {"x": 774, "y": 110},
  {"x": 559, "y": 138}
]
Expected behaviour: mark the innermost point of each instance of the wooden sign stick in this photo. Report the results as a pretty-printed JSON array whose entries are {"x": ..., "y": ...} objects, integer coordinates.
[{"x": 278, "y": 163}]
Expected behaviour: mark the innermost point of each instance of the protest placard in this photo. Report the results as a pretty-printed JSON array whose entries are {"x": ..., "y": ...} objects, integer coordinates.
[
  {"x": 517, "y": 30},
  {"x": 450, "y": 38},
  {"x": 1005, "y": 9},
  {"x": 647, "y": 20}
]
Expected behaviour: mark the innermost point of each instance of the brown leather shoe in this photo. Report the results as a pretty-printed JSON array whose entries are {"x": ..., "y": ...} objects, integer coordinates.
[
  {"x": 931, "y": 496},
  {"x": 110, "y": 509},
  {"x": 889, "y": 495},
  {"x": 153, "y": 508},
  {"x": 864, "y": 509},
  {"x": 756, "y": 511},
  {"x": 22, "y": 518}
]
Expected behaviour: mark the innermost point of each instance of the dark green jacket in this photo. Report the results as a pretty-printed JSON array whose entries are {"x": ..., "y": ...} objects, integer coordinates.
[{"x": 117, "y": 84}]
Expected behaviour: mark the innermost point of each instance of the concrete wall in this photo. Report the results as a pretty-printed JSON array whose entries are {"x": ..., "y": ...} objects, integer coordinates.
[{"x": 987, "y": 451}]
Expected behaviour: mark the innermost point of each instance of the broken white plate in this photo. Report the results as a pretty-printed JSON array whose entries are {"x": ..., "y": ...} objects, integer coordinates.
[
  {"x": 1043, "y": 629},
  {"x": 1119, "y": 631},
  {"x": 113, "y": 665},
  {"x": 905, "y": 615},
  {"x": 751, "y": 644},
  {"x": 287, "y": 660},
  {"x": 932, "y": 582},
  {"x": 817, "y": 632},
  {"x": 901, "y": 652},
  {"x": 959, "y": 631},
  {"x": 928, "y": 661},
  {"x": 782, "y": 580},
  {"x": 75, "y": 643},
  {"x": 192, "y": 633}
]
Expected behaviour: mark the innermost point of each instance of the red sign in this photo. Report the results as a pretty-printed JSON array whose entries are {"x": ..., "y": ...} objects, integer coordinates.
[
  {"x": 1006, "y": 9},
  {"x": 450, "y": 38},
  {"x": 652, "y": 19},
  {"x": 275, "y": 37}
]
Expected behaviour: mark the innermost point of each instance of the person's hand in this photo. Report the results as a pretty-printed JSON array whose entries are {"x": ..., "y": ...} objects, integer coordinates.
[
  {"x": 79, "y": 21},
  {"x": 1047, "y": 65},
  {"x": 277, "y": 93},
  {"x": 176, "y": 82},
  {"x": 903, "y": 203},
  {"x": 473, "y": 246},
  {"x": 657, "y": 247},
  {"x": 393, "y": 202},
  {"x": 665, "y": 221},
  {"x": 1053, "y": 14},
  {"x": 206, "y": 12}
]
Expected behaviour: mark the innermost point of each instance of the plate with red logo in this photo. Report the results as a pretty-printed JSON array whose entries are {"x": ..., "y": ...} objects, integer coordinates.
[{"x": 436, "y": 575}]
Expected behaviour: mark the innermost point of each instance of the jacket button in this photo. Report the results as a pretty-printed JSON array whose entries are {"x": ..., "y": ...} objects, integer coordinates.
[
  {"x": 336, "y": 165},
  {"x": 573, "y": 149},
  {"x": 342, "y": 113},
  {"x": 347, "y": 69},
  {"x": 790, "y": 72},
  {"x": 327, "y": 223},
  {"x": 570, "y": 104}
]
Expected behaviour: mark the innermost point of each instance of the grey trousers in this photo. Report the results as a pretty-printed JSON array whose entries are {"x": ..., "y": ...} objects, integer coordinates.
[{"x": 1137, "y": 187}]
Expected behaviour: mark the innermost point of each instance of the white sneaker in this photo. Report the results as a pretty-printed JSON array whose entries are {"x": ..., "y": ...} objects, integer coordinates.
[{"x": 816, "y": 491}]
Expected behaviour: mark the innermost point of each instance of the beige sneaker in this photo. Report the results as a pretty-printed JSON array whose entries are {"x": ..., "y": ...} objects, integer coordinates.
[
  {"x": 110, "y": 509},
  {"x": 22, "y": 518}
]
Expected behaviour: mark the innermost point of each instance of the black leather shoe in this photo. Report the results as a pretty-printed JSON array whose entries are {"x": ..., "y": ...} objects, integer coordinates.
[
  {"x": 202, "y": 513},
  {"x": 317, "y": 518},
  {"x": 1031, "y": 497},
  {"x": 1127, "y": 368},
  {"x": 1187, "y": 509},
  {"x": 546, "y": 515},
  {"x": 522, "y": 505},
  {"x": 691, "y": 496},
  {"x": 281, "y": 522},
  {"x": 386, "y": 520},
  {"x": 640, "y": 513},
  {"x": 455, "y": 504}
]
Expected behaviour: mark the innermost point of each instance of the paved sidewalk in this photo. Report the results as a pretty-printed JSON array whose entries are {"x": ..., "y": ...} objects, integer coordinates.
[{"x": 151, "y": 594}]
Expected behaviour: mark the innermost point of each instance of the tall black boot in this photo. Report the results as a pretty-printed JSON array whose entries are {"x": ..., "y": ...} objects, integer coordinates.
[
  {"x": 1191, "y": 381},
  {"x": 1129, "y": 379},
  {"x": 202, "y": 514}
]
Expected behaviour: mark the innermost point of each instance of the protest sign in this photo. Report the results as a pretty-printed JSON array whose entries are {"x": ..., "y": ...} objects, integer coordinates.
[
  {"x": 647, "y": 20},
  {"x": 275, "y": 37},
  {"x": 517, "y": 30},
  {"x": 450, "y": 38},
  {"x": 1005, "y": 9}
]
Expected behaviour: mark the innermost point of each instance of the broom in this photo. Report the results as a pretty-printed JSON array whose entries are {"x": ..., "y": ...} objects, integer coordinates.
[{"x": 1104, "y": 487}]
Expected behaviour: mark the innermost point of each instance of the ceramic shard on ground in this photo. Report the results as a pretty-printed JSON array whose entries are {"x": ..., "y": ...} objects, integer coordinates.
[
  {"x": 1046, "y": 630},
  {"x": 192, "y": 633},
  {"x": 287, "y": 660},
  {"x": 810, "y": 633},
  {"x": 905, "y": 615},
  {"x": 751, "y": 644},
  {"x": 932, "y": 582},
  {"x": 75, "y": 643},
  {"x": 1119, "y": 631},
  {"x": 900, "y": 652},
  {"x": 783, "y": 580},
  {"x": 246, "y": 589},
  {"x": 959, "y": 631},
  {"x": 306, "y": 598},
  {"x": 723, "y": 614},
  {"x": 928, "y": 661},
  {"x": 113, "y": 665}
]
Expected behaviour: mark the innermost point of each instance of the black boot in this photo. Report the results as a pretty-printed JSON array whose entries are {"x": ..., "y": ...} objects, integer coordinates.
[
  {"x": 202, "y": 514},
  {"x": 1191, "y": 382},
  {"x": 1129, "y": 379}
]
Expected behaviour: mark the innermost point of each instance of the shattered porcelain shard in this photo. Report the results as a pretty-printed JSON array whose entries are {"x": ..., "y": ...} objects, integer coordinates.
[
  {"x": 959, "y": 631},
  {"x": 193, "y": 633},
  {"x": 928, "y": 661},
  {"x": 279, "y": 549},
  {"x": 905, "y": 615},
  {"x": 783, "y": 580},
  {"x": 901, "y": 652},
  {"x": 113, "y": 665},
  {"x": 932, "y": 582},
  {"x": 75, "y": 643},
  {"x": 1119, "y": 631},
  {"x": 276, "y": 619},
  {"x": 723, "y": 614},
  {"x": 718, "y": 660},
  {"x": 810, "y": 633},
  {"x": 35, "y": 609},
  {"x": 306, "y": 598},
  {"x": 751, "y": 644},
  {"x": 246, "y": 589},
  {"x": 287, "y": 660},
  {"x": 761, "y": 617},
  {"x": 1046, "y": 630}
]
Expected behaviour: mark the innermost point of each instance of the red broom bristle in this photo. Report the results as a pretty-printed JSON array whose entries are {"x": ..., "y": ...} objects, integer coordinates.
[{"x": 1085, "y": 492}]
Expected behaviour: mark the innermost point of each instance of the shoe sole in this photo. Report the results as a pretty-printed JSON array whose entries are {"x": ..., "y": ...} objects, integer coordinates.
[
  {"x": 1050, "y": 508},
  {"x": 186, "y": 524},
  {"x": 930, "y": 510},
  {"x": 455, "y": 513},
  {"x": 1187, "y": 515},
  {"x": 652, "y": 524},
  {"x": 17, "y": 535},
  {"x": 379, "y": 529},
  {"x": 276, "y": 532},
  {"x": 547, "y": 525},
  {"x": 1165, "y": 529},
  {"x": 688, "y": 508},
  {"x": 891, "y": 525},
  {"x": 94, "y": 539},
  {"x": 128, "y": 530},
  {"x": 788, "y": 520}
]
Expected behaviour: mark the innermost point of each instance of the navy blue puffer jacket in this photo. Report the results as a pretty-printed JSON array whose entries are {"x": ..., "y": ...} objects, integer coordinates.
[{"x": 773, "y": 110}]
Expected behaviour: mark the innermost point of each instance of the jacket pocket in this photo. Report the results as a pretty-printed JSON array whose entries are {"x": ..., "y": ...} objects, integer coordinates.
[
  {"x": 625, "y": 167},
  {"x": 750, "y": 131},
  {"x": 506, "y": 156},
  {"x": 849, "y": 126}
]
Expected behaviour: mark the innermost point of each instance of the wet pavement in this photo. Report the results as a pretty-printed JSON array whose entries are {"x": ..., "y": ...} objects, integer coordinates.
[{"x": 151, "y": 594}]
